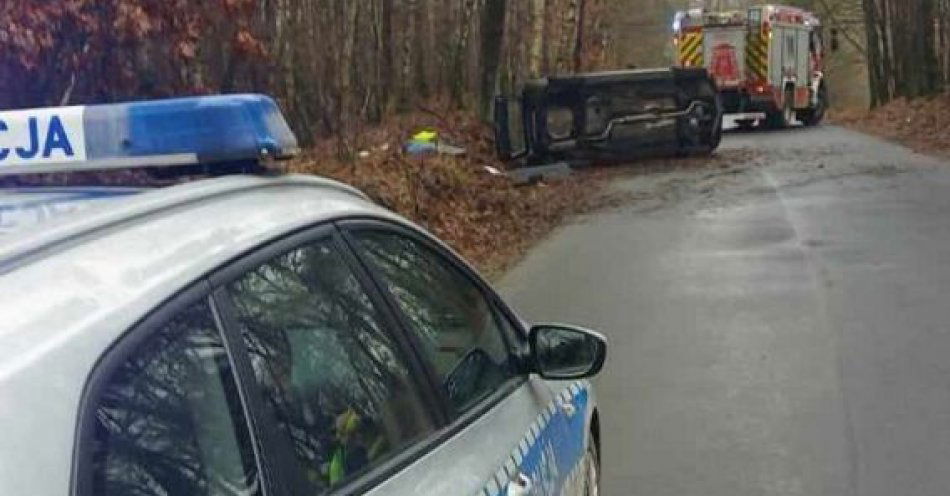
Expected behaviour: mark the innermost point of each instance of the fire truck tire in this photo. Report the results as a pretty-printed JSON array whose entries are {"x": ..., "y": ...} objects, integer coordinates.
[
  {"x": 782, "y": 119},
  {"x": 814, "y": 116}
]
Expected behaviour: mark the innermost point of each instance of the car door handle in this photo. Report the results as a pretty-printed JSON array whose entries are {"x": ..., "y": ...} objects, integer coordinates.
[{"x": 519, "y": 486}]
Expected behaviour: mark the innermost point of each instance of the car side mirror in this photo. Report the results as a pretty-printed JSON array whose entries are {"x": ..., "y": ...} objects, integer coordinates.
[{"x": 563, "y": 352}]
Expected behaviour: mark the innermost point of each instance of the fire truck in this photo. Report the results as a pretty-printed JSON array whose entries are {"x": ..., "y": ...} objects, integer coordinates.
[{"x": 766, "y": 61}]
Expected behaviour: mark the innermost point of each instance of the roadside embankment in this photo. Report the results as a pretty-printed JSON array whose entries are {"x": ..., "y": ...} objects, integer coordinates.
[{"x": 922, "y": 124}]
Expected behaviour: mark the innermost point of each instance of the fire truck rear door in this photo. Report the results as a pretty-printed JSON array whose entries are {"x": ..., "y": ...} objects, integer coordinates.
[
  {"x": 804, "y": 56},
  {"x": 725, "y": 55}
]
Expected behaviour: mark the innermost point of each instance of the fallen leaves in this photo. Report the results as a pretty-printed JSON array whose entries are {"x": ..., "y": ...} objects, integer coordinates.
[
  {"x": 485, "y": 217},
  {"x": 922, "y": 124}
]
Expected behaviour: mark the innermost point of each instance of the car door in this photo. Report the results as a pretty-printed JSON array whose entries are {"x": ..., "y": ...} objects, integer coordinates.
[
  {"x": 505, "y": 427},
  {"x": 338, "y": 400},
  {"x": 162, "y": 413}
]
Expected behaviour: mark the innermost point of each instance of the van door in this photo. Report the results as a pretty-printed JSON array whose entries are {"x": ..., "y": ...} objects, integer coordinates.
[{"x": 511, "y": 141}]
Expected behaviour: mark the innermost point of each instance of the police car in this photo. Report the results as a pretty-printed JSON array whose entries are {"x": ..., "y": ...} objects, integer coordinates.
[{"x": 258, "y": 334}]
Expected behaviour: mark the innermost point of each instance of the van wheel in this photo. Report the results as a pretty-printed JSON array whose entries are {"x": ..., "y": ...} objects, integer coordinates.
[{"x": 591, "y": 471}]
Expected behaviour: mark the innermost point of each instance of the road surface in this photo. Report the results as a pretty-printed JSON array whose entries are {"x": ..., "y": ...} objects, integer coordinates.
[{"x": 780, "y": 326}]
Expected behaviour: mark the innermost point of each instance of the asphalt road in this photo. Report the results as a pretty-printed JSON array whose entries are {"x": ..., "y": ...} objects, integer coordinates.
[{"x": 780, "y": 326}]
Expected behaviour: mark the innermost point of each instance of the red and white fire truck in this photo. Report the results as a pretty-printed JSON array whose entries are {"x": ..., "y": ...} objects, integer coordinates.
[{"x": 767, "y": 61}]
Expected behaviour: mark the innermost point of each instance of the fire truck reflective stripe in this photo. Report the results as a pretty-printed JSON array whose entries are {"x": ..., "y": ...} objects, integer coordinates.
[
  {"x": 757, "y": 55},
  {"x": 691, "y": 52}
]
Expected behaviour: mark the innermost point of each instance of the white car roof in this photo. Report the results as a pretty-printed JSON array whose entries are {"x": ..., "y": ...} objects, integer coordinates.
[{"x": 70, "y": 287}]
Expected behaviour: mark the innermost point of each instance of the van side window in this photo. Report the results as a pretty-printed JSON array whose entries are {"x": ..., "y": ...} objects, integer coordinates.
[{"x": 169, "y": 419}]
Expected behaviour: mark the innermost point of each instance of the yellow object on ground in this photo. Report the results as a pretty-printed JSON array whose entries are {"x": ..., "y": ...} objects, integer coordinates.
[{"x": 426, "y": 136}]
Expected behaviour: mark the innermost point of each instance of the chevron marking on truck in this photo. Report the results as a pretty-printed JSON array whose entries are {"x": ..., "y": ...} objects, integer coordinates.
[
  {"x": 757, "y": 55},
  {"x": 691, "y": 50}
]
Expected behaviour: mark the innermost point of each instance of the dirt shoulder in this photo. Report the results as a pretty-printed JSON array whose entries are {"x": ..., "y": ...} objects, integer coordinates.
[
  {"x": 484, "y": 216},
  {"x": 920, "y": 124}
]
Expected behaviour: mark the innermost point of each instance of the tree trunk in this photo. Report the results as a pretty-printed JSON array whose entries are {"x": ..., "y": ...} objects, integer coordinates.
[
  {"x": 536, "y": 50},
  {"x": 875, "y": 76},
  {"x": 346, "y": 109},
  {"x": 493, "y": 30},
  {"x": 579, "y": 36},
  {"x": 568, "y": 35},
  {"x": 459, "y": 76},
  {"x": 387, "y": 54},
  {"x": 407, "y": 58}
]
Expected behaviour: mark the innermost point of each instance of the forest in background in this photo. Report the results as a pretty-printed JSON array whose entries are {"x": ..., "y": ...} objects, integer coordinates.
[
  {"x": 337, "y": 66},
  {"x": 334, "y": 65},
  {"x": 908, "y": 48}
]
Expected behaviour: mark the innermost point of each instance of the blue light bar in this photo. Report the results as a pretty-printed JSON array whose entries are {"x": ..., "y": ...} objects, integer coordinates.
[{"x": 159, "y": 133}]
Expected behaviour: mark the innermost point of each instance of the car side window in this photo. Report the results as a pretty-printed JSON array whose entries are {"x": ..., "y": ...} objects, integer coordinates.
[
  {"x": 457, "y": 326},
  {"x": 331, "y": 378},
  {"x": 169, "y": 419}
]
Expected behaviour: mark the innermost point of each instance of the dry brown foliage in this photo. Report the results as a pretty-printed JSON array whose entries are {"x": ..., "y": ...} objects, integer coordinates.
[
  {"x": 485, "y": 217},
  {"x": 922, "y": 124}
]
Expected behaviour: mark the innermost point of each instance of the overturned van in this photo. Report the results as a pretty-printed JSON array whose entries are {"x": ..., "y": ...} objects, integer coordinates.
[{"x": 610, "y": 117}]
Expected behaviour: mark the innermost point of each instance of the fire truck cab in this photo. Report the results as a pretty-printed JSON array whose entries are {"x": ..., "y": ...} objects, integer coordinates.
[{"x": 767, "y": 61}]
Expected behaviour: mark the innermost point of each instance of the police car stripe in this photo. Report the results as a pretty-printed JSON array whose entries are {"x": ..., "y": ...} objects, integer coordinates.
[
  {"x": 503, "y": 476},
  {"x": 511, "y": 468},
  {"x": 535, "y": 430},
  {"x": 514, "y": 464},
  {"x": 517, "y": 455},
  {"x": 494, "y": 487}
]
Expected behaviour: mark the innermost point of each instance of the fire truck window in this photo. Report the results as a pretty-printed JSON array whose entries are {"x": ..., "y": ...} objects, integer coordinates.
[{"x": 755, "y": 17}]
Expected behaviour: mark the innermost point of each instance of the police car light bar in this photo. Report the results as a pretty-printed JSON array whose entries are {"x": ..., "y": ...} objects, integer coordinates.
[{"x": 158, "y": 133}]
